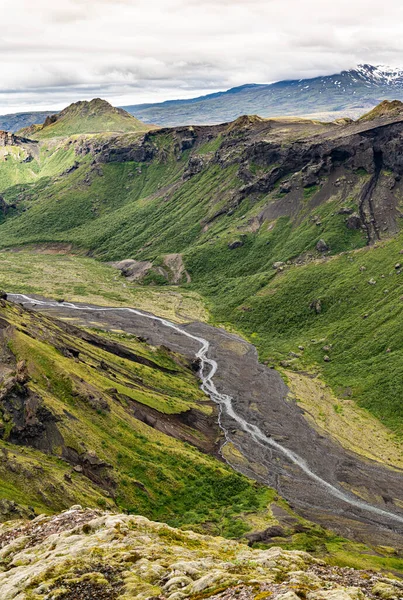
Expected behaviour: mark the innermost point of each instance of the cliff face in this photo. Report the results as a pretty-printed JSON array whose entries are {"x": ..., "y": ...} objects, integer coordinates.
[{"x": 295, "y": 157}]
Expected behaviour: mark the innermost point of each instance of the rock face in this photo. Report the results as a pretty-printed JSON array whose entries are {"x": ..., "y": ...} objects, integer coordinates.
[
  {"x": 9, "y": 139},
  {"x": 81, "y": 554}
]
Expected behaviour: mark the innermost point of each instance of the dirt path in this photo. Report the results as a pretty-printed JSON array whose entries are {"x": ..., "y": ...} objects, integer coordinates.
[{"x": 322, "y": 481}]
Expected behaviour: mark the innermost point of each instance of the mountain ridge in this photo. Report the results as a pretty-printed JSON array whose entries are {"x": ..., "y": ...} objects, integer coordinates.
[
  {"x": 348, "y": 93},
  {"x": 355, "y": 91}
]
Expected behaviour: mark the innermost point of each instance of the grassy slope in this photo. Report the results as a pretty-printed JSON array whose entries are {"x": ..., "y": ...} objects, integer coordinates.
[
  {"x": 156, "y": 475},
  {"x": 123, "y": 211}
]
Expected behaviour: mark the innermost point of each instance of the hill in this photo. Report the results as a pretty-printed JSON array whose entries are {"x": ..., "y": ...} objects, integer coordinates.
[
  {"x": 348, "y": 94},
  {"x": 96, "y": 116}
]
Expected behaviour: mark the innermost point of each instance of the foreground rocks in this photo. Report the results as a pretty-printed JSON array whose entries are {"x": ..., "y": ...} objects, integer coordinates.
[{"x": 82, "y": 554}]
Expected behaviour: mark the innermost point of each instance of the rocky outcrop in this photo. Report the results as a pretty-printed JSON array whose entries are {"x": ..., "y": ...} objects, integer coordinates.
[
  {"x": 84, "y": 554},
  {"x": 9, "y": 139}
]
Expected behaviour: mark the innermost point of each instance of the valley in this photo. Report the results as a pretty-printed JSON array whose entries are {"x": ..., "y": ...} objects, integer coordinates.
[
  {"x": 269, "y": 251},
  {"x": 286, "y": 454}
]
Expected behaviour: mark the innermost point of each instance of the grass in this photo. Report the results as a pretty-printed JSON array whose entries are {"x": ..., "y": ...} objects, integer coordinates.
[
  {"x": 357, "y": 320},
  {"x": 82, "y": 279}
]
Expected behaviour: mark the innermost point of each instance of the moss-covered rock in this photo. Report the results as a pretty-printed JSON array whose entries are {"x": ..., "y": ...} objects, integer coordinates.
[{"x": 81, "y": 554}]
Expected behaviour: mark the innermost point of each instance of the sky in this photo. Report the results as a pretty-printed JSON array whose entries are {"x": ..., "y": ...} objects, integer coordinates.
[{"x": 134, "y": 51}]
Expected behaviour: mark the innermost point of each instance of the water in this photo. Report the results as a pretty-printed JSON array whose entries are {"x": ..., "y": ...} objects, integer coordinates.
[{"x": 207, "y": 371}]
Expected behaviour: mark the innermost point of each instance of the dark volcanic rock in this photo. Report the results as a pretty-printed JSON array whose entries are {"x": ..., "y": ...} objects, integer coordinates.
[{"x": 354, "y": 222}]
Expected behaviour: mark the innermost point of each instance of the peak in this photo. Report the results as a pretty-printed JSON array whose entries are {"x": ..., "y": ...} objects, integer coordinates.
[
  {"x": 245, "y": 121},
  {"x": 89, "y": 117},
  {"x": 387, "y": 108},
  {"x": 89, "y": 107}
]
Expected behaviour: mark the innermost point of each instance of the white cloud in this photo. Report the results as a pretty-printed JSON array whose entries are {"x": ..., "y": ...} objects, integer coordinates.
[{"x": 132, "y": 51}]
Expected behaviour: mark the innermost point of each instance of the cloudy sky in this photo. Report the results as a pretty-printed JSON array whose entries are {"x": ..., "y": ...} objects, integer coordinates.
[{"x": 54, "y": 52}]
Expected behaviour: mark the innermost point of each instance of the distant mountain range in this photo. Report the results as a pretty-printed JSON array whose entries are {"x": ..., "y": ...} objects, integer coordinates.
[{"x": 349, "y": 93}]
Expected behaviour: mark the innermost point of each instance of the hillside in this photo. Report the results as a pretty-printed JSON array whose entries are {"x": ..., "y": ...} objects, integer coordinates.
[
  {"x": 107, "y": 420},
  {"x": 287, "y": 230},
  {"x": 347, "y": 94},
  {"x": 233, "y": 201},
  {"x": 96, "y": 116}
]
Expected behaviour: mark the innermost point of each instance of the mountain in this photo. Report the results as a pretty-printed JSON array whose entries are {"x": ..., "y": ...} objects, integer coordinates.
[
  {"x": 349, "y": 94},
  {"x": 96, "y": 116}
]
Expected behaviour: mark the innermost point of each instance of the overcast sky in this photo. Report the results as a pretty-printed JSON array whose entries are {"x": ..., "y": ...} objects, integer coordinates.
[{"x": 133, "y": 51}]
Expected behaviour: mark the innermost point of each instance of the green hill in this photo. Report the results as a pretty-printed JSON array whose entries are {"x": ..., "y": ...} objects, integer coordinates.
[{"x": 96, "y": 116}]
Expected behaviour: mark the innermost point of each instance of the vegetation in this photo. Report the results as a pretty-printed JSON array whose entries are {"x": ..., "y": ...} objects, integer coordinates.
[
  {"x": 332, "y": 313},
  {"x": 96, "y": 116}
]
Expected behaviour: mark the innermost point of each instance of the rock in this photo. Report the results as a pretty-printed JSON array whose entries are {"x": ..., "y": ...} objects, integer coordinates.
[
  {"x": 326, "y": 358},
  {"x": 177, "y": 583},
  {"x": 288, "y": 596},
  {"x": 345, "y": 211},
  {"x": 3, "y": 295},
  {"x": 194, "y": 166},
  {"x": 362, "y": 268},
  {"x": 235, "y": 244},
  {"x": 372, "y": 281},
  {"x": 209, "y": 580},
  {"x": 78, "y": 468},
  {"x": 285, "y": 187},
  {"x": 321, "y": 246},
  {"x": 398, "y": 266},
  {"x": 354, "y": 222},
  {"x": 316, "y": 305},
  {"x": 278, "y": 265}
]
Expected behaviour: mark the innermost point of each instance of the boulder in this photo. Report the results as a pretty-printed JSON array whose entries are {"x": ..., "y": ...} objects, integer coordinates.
[
  {"x": 316, "y": 305},
  {"x": 235, "y": 244},
  {"x": 321, "y": 246},
  {"x": 354, "y": 222}
]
